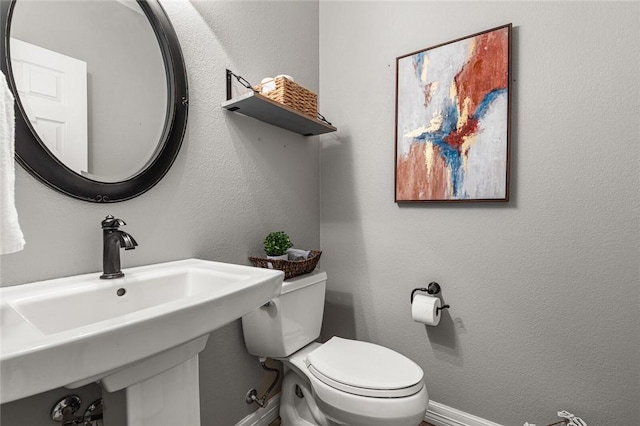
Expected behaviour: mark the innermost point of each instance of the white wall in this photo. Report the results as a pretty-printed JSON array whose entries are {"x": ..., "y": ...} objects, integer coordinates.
[
  {"x": 234, "y": 180},
  {"x": 543, "y": 290}
]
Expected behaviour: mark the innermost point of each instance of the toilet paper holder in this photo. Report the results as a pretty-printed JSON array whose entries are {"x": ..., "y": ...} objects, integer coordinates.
[{"x": 432, "y": 289}]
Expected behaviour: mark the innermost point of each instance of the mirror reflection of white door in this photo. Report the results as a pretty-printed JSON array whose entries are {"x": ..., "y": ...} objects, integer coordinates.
[{"x": 53, "y": 91}]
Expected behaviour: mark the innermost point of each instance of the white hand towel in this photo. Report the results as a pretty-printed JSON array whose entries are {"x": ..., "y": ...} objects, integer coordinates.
[{"x": 11, "y": 238}]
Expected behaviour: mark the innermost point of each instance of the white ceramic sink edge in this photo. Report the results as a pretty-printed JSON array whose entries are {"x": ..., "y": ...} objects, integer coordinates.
[{"x": 66, "y": 330}]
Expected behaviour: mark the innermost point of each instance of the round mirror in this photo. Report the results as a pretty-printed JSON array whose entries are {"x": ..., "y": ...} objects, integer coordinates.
[{"x": 101, "y": 94}]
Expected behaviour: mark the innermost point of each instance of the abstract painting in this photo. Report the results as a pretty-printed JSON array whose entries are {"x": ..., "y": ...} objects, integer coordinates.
[{"x": 452, "y": 120}]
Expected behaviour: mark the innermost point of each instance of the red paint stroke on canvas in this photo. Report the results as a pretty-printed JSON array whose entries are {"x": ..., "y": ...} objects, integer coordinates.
[
  {"x": 486, "y": 70},
  {"x": 415, "y": 181},
  {"x": 427, "y": 94},
  {"x": 456, "y": 138}
]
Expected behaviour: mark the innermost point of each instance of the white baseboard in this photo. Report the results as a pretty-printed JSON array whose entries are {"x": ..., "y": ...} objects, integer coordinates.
[
  {"x": 263, "y": 416},
  {"x": 437, "y": 414},
  {"x": 442, "y": 415}
]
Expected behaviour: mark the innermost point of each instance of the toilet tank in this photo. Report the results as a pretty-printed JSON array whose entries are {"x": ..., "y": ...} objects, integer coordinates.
[{"x": 290, "y": 321}]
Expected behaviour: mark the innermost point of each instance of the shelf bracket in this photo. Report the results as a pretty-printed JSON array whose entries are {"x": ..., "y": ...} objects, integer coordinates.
[
  {"x": 240, "y": 79},
  {"x": 229, "y": 74}
]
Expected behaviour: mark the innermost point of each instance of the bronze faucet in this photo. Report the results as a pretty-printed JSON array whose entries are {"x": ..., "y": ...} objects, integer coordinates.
[{"x": 113, "y": 239}]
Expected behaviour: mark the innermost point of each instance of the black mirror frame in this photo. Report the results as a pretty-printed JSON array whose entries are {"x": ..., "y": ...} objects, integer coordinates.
[{"x": 42, "y": 164}]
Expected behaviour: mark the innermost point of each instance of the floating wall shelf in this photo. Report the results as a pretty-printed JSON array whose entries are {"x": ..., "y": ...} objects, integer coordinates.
[{"x": 260, "y": 107}]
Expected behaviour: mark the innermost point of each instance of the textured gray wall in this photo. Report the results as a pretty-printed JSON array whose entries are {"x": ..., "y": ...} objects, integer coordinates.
[
  {"x": 234, "y": 180},
  {"x": 544, "y": 289}
]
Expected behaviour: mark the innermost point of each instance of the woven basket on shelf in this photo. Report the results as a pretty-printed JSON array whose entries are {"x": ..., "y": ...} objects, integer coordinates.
[
  {"x": 293, "y": 95},
  {"x": 291, "y": 268}
]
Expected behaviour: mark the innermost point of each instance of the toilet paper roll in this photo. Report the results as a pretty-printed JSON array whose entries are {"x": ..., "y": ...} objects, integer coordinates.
[{"x": 424, "y": 309}]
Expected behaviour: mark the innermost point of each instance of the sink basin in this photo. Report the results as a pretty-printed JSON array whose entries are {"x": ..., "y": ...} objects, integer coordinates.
[{"x": 76, "y": 330}]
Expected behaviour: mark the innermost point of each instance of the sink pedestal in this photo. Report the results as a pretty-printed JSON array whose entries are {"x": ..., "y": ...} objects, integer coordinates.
[
  {"x": 168, "y": 399},
  {"x": 164, "y": 389}
]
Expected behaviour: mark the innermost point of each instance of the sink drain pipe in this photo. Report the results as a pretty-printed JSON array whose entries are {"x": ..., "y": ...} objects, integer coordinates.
[{"x": 252, "y": 395}]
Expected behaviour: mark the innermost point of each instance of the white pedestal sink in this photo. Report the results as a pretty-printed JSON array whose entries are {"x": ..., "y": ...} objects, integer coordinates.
[{"x": 142, "y": 332}]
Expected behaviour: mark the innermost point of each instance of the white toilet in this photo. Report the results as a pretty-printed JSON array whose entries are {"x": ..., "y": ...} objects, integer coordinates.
[{"x": 344, "y": 382}]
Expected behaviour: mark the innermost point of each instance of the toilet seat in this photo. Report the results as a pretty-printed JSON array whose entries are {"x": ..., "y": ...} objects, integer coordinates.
[
  {"x": 347, "y": 407},
  {"x": 364, "y": 369}
]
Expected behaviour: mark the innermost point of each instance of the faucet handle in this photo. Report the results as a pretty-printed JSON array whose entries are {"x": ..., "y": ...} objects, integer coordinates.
[{"x": 111, "y": 222}]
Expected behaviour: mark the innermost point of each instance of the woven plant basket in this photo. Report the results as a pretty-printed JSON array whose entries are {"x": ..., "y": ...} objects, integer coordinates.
[
  {"x": 291, "y": 268},
  {"x": 293, "y": 95}
]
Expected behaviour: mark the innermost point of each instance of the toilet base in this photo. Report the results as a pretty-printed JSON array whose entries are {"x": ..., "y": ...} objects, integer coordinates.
[
  {"x": 299, "y": 411},
  {"x": 310, "y": 410}
]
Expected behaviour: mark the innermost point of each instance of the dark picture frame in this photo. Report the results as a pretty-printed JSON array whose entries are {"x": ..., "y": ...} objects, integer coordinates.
[{"x": 453, "y": 114}]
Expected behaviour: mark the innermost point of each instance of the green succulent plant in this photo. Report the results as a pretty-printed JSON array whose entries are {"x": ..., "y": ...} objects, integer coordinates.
[{"x": 277, "y": 243}]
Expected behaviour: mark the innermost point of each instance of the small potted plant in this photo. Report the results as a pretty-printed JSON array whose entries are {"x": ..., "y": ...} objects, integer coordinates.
[{"x": 276, "y": 245}]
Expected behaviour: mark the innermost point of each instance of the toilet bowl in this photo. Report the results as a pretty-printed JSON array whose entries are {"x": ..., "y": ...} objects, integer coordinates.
[
  {"x": 340, "y": 382},
  {"x": 385, "y": 388}
]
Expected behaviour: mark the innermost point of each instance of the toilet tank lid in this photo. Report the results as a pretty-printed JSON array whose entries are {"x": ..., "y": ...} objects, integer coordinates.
[
  {"x": 301, "y": 281},
  {"x": 364, "y": 365}
]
